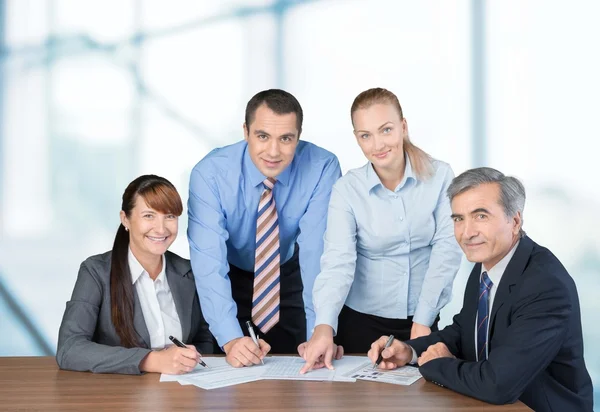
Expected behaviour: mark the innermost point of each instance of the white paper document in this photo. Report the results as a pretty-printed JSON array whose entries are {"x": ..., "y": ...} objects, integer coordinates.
[
  {"x": 199, "y": 369},
  {"x": 347, "y": 364},
  {"x": 288, "y": 368},
  {"x": 406, "y": 375},
  {"x": 221, "y": 374}
]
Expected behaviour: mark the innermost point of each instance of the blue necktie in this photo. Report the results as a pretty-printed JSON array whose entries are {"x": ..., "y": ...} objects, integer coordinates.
[{"x": 483, "y": 311}]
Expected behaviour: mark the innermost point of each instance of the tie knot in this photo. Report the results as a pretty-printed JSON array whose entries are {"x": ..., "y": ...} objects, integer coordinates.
[
  {"x": 269, "y": 182},
  {"x": 486, "y": 280}
]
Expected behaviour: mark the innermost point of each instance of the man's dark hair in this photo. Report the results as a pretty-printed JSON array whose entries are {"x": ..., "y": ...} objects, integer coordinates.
[{"x": 280, "y": 101}]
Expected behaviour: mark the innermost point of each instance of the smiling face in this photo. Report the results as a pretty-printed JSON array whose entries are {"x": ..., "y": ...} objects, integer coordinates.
[
  {"x": 380, "y": 132},
  {"x": 272, "y": 139},
  {"x": 150, "y": 231},
  {"x": 481, "y": 227}
]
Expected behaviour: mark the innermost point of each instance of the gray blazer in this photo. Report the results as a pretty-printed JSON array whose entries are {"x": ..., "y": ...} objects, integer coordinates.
[{"x": 87, "y": 340}]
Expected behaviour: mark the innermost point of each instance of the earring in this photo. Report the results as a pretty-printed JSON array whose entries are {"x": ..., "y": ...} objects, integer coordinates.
[{"x": 126, "y": 229}]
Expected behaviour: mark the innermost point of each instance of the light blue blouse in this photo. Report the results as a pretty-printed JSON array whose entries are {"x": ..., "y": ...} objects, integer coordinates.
[{"x": 388, "y": 253}]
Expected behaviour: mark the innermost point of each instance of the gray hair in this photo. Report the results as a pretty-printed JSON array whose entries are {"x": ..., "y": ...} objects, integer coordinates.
[{"x": 512, "y": 191}]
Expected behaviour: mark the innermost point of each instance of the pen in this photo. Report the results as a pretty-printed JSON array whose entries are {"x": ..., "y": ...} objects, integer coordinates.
[
  {"x": 253, "y": 336},
  {"x": 181, "y": 345},
  {"x": 387, "y": 345}
]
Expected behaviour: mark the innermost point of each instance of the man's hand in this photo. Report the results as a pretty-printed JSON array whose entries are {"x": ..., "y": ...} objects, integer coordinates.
[
  {"x": 397, "y": 355},
  {"x": 439, "y": 350},
  {"x": 417, "y": 330},
  {"x": 320, "y": 350},
  {"x": 244, "y": 352}
]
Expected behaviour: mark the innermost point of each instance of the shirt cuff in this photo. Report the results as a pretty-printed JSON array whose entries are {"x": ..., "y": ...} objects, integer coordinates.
[
  {"x": 310, "y": 327},
  {"x": 228, "y": 330},
  {"x": 424, "y": 315},
  {"x": 414, "y": 359},
  {"x": 327, "y": 317}
]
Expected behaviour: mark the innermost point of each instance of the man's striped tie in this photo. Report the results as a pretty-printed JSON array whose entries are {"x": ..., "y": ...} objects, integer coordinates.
[
  {"x": 265, "y": 299},
  {"x": 483, "y": 311}
]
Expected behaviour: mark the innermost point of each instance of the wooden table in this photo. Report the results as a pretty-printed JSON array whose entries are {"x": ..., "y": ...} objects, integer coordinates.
[{"x": 36, "y": 383}]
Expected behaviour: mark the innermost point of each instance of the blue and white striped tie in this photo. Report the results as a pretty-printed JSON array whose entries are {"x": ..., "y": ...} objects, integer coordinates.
[
  {"x": 483, "y": 313},
  {"x": 265, "y": 298}
]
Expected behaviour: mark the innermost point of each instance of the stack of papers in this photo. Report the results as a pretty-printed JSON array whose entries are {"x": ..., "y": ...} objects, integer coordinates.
[{"x": 348, "y": 369}]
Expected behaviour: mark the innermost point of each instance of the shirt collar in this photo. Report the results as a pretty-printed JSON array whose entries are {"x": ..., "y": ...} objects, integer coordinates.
[
  {"x": 373, "y": 180},
  {"x": 256, "y": 177},
  {"x": 137, "y": 270},
  {"x": 496, "y": 272}
]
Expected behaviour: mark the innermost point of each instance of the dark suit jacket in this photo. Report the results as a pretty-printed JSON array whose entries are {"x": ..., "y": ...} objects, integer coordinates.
[
  {"x": 87, "y": 340},
  {"x": 535, "y": 343}
]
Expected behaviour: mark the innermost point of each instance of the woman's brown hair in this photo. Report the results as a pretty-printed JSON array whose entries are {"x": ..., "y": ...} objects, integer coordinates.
[
  {"x": 421, "y": 162},
  {"x": 160, "y": 195}
]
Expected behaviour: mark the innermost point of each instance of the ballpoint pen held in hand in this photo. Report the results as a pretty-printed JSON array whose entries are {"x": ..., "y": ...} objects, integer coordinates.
[
  {"x": 181, "y": 345},
  {"x": 253, "y": 336},
  {"x": 387, "y": 345}
]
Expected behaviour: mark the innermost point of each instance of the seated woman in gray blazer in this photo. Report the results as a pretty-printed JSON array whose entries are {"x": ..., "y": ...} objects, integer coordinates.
[{"x": 127, "y": 302}]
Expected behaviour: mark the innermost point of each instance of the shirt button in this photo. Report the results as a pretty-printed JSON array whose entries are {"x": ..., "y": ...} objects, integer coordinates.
[{"x": 401, "y": 218}]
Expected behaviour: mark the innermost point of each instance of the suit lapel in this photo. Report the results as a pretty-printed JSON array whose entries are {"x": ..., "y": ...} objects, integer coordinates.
[
  {"x": 510, "y": 277},
  {"x": 472, "y": 299},
  {"x": 182, "y": 289},
  {"x": 139, "y": 323}
]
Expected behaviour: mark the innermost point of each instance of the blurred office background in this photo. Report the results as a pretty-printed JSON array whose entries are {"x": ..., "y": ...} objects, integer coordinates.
[{"x": 95, "y": 93}]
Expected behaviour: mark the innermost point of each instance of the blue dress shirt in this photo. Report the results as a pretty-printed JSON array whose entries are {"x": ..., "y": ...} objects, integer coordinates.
[
  {"x": 388, "y": 253},
  {"x": 225, "y": 188}
]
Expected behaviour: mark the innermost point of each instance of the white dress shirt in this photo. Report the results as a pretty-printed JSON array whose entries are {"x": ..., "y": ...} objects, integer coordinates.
[
  {"x": 157, "y": 304},
  {"x": 495, "y": 275}
]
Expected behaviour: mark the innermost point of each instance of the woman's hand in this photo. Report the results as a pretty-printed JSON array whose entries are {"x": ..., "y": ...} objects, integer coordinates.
[{"x": 171, "y": 360}]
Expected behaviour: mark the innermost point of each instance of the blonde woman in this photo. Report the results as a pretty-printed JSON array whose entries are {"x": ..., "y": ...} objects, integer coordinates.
[{"x": 390, "y": 257}]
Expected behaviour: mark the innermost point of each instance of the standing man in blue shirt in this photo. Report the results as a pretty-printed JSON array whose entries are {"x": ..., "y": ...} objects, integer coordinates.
[{"x": 257, "y": 214}]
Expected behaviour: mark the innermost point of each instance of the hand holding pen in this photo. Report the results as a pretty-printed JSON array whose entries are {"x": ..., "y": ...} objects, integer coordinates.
[
  {"x": 245, "y": 351},
  {"x": 179, "y": 344},
  {"x": 380, "y": 357},
  {"x": 253, "y": 336},
  {"x": 389, "y": 353}
]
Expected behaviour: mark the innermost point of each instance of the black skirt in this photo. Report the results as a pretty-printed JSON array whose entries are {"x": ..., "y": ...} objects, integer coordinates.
[{"x": 357, "y": 331}]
